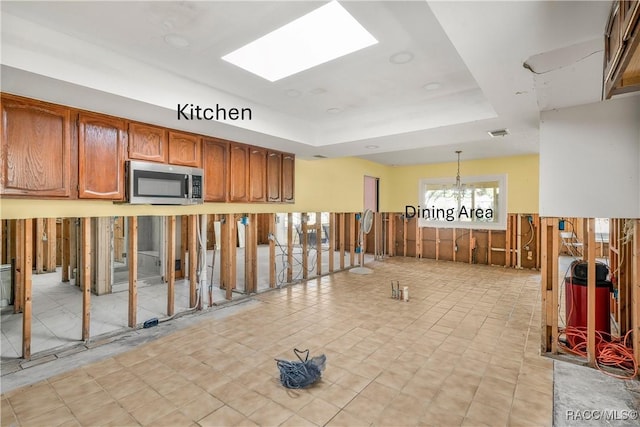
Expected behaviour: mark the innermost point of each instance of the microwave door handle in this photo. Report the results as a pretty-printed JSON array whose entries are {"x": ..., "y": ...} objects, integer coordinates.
[{"x": 187, "y": 189}]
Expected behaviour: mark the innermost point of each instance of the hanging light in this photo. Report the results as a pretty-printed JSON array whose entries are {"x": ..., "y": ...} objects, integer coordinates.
[{"x": 459, "y": 189}]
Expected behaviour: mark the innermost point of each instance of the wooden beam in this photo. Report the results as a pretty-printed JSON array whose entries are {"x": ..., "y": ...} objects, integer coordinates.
[
  {"x": 341, "y": 242},
  {"x": 453, "y": 244},
  {"x": 66, "y": 249},
  {"x": 331, "y": 237},
  {"x": 250, "y": 254},
  {"x": 489, "y": 250},
  {"x": 507, "y": 241},
  {"x": 18, "y": 298},
  {"x": 418, "y": 239},
  {"x": 352, "y": 239},
  {"x": 289, "y": 247},
  {"x": 549, "y": 283},
  {"x": 437, "y": 243},
  {"x": 391, "y": 235},
  {"x": 192, "y": 239},
  {"x": 171, "y": 260},
  {"x": 635, "y": 290},
  {"x": 471, "y": 246},
  {"x": 184, "y": 248},
  {"x": 39, "y": 245},
  {"x": 49, "y": 260},
  {"x": 132, "y": 261},
  {"x": 305, "y": 258},
  {"x": 27, "y": 294},
  {"x": 590, "y": 250},
  {"x": 318, "y": 243},
  {"x": 272, "y": 250},
  {"x": 231, "y": 244},
  {"x": 85, "y": 247},
  {"x": 404, "y": 236}
]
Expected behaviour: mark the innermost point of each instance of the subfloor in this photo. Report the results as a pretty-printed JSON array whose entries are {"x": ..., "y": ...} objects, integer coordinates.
[
  {"x": 463, "y": 351},
  {"x": 57, "y": 306}
]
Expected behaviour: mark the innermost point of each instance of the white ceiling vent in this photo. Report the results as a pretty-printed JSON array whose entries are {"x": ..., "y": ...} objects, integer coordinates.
[{"x": 498, "y": 132}]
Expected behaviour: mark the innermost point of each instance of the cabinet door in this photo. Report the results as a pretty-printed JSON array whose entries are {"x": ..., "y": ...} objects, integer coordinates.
[
  {"x": 215, "y": 163},
  {"x": 36, "y": 149},
  {"x": 274, "y": 177},
  {"x": 288, "y": 178},
  {"x": 238, "y": 172},
  {"x": 257, "y": 174},
  {"x": 184, "y": 149},
  {"x": 147, "y": 143},
  {"x": 101, "y": 142}
]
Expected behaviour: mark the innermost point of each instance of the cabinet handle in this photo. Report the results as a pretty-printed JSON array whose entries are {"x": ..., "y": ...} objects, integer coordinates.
[
  {"x": 288, "y": 157},
  {"x": 255, "y": 152},
  {"x": 272, "y": 155}
]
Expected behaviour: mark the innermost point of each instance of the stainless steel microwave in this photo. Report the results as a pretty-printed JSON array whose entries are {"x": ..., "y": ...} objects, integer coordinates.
[{"x": 161, "y": 184}]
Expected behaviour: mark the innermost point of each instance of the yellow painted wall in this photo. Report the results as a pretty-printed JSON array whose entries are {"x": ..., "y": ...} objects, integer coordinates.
[
  {"x": 327, "y": 185},
  {"x": 522, "y": 180}
]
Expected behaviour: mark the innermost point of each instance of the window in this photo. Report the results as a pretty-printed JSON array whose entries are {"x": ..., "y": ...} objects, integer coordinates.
[{"x": 481, "y": 203}]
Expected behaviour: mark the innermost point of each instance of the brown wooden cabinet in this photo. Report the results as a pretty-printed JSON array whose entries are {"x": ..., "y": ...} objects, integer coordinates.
[
  {"x": 238, "y": 173},
  {"x": 101, "y": 142},
  {"x": 36, "y": 148},
  {"x": 184, "y": 149},
  {"x": 288, "y": 178},
  {"x": 148, "y": 143},
  {"x": 622, "y": 49},
  {"x": 274, "y": 176},
  {"x": 257, "y": 174},
  {"x": 215, "y": 162}
]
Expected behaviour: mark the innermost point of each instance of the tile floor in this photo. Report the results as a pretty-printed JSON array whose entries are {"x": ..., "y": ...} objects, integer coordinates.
[
  {"x": 462, "y": 351},
  {"x": 57, "y": 306}
]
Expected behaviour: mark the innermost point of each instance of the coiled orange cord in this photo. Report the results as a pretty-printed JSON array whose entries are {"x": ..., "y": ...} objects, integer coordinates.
[{"x": 610, "y": 351}]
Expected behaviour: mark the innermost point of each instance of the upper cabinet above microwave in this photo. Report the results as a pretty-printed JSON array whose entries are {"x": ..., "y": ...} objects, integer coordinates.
[
  {"x": 148, "y": 143},
  {"x": 622, "y": 49}
]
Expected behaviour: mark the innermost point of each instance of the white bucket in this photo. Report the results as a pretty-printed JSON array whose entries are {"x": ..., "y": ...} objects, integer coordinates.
[{"x": 405, "y": 293}]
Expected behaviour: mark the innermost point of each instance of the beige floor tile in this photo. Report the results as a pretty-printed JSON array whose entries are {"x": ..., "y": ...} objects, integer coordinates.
[
  {"x": 365, "y": 408},
  {"x": 200, "y": 407},
  {"x": 271, "y": 414},
  {"x": 249, "y": 402},
  {"x": 297, "y": 421},
  {"x": 319, "y": 411},
  {"x": 489, "y": 415},
  {"x": 223, "y": 416}
]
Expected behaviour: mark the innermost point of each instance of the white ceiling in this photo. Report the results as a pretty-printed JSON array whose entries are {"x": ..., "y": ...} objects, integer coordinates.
[{"x": 112, "y": 57}]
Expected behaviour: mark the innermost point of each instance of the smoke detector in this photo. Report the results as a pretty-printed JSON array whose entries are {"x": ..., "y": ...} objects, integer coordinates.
[{"x": 498, "y": 132}]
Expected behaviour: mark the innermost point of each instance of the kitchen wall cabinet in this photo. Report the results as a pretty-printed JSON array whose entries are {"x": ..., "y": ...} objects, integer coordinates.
[
  {"x": 36, "y": 148},
  {"x": 274, "y": 176},
  {"x": 216, "y": 169},
  {"x": 185, "y": 149},
  {"x": 622, "y": 49},
  {"x": 148, "y": 143},
  {"x": 257, "y": 174},
  {"x": 101, "y": 142},
  {"x": 288, "y": 178},
  {"x": 238, "y": 173}
]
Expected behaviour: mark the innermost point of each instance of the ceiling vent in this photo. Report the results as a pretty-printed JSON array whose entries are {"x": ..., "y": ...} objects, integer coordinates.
[
  {"x": 320, "y": 156},
  {"x": 498, "y": 132}
]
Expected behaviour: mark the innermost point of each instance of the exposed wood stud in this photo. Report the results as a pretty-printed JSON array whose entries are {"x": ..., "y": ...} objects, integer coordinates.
[
  {"x": 171, "y": 257},
  {"x": 437, "y": 243},
  {"x": 318, "y": 243},
  {"x": 352, "y": 239},
  {"x": 232, "y": 261},
  {"x": 418, "y": 239},
  {"x": 49, "y": 262},
  {"x": 289, "y": 247},
  {"x": 453, "y": 244},
  {"x": 341, "y": 242},
  {"x": 305, "y": 254},
  {"x": 66, "y": 249},
  {"x": 635, "y": 290},
  {"x": 20, "y": 267},
  {"x": 489, "y": 248},
  {"x": 27, "y": 238},
  {"x": 332, "y": 237},
  {"x": 132, "y": 260},
  {"x": 590, "y": 249},
  {"x": 192, "y": 243},
  {"x": 391, "y": 233},
  {"x": 85, "y": 245},
  {"x": 507, "y": 241},
  {"x": 471, "y": 246},
  {"x": 405, "y": 223},
  {"x": 272, "y": 250},
  {"x": 250, "y": 252},
  {"x": 39, "y": 243}
]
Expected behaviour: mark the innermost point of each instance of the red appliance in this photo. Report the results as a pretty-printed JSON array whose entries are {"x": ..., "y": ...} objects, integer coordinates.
[{"x": 576, "y": 304}]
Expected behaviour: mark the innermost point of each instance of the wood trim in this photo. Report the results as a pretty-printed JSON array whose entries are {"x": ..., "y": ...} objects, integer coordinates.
[
  {"x": 132, "y": 258},
  {"x": 85, "y": 244},
  {"x": 27, "y": 237},
  {"x": 193, "y": 258},
  {"x": 171, "y": 257}
]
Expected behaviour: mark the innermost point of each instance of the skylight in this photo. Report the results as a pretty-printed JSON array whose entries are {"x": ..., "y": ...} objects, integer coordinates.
[{"x": 327, "y": 33}]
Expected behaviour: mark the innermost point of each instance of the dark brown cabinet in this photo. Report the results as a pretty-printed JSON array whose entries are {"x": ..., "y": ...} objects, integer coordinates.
[
  {"x": 101, "y": 142},
  {"x": 184, "y": 149},
  {"x": 148, "y": 143},
  {"x": 257, "y": 174},
  {"x": 622, "y": 49},
  {"x": 216, "y": 169},
  {"x": 238, "y": 173},
  {"x": 274, "y": 176},
  {"x": 36, "y": 148},
  {"x": 288, "y": 178}
]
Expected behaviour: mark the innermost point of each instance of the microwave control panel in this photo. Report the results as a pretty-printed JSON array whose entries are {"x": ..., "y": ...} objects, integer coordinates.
[{"x": 196, "y": 187}]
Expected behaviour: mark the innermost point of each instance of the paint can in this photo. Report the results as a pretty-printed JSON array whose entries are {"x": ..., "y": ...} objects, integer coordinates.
[{"x": 405, "y": 294}]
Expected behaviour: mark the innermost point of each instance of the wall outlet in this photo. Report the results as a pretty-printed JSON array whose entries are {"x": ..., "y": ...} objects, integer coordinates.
[{"x": 530, "y": 255}]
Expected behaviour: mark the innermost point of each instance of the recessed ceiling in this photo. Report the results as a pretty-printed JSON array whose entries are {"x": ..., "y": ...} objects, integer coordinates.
[{"x": 441, "y": 75}]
